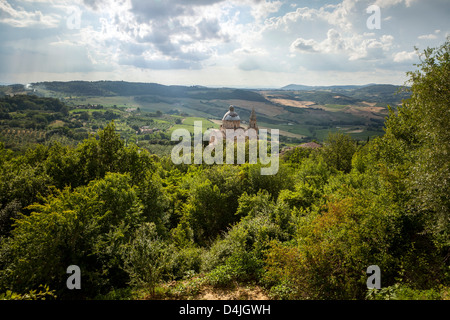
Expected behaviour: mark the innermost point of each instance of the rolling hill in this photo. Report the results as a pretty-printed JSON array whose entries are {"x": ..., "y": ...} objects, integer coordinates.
[
  {"x": 377, "y": 93},
  {"x": 301, "y": 112}
]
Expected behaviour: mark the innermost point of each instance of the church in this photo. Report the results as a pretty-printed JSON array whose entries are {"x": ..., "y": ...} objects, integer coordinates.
[{"x": 231, "y": 122}]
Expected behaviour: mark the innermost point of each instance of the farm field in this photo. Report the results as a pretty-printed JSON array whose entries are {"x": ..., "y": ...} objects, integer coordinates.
[
  {"x": 288, "y": 111},
  {"x": 301, "y": 116}
]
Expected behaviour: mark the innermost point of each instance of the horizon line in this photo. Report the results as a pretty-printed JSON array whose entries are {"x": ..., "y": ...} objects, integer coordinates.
[{"x": 248, "y": 87}]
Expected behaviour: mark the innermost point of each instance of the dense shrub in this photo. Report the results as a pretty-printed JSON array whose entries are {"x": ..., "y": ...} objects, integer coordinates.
[
  {"x": 243, "y": 248},
  {"x": 146, "y": 258},
  {"x": 87, "y": 226},
  {"x": 403, "y": 292},
  {"x": 334, "y": 248}
]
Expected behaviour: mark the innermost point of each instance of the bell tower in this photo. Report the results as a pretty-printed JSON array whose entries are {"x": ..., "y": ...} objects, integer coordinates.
[{"x": 253, "y": 124}]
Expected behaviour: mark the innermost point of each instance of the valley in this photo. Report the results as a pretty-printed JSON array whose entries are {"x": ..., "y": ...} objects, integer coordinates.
[{"x": 301, "y": 113}]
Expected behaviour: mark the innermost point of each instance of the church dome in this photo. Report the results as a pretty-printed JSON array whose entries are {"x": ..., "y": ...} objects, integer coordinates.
[{"x": 231, "y": 115}]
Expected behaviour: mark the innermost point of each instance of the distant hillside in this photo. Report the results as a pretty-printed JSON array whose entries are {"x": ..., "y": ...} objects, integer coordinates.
[
  {"x": 380, "y": 93},
  {"x": 12, "y": 89},
  {"x": 376, "y": 93},
  {"x": 338, "y": 94},
  {"x": 122, "y": 88},
  {"x": 301, "y": 87},
  {"x": 325, "y": 97},
  {"x": 301, "y": 113}
]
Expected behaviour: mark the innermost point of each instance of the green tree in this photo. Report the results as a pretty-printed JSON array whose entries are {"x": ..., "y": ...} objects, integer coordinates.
[
  {"x": 296, "y": 155},
  {"x": 334, "y": 246},
  {"x": 413, "y": 154},
  {"x": 146, "y": 258},
  {"x": 88, "y": 226},
  {"x": 155, "y": 201},
  {"x": 63, "y": 165},
  {"x": 239, "y": 255},
  {"x": 212, "y": 200},
  {"x": 84, "y": 116},
  {"x": 338, "y": 151},
  {"x": 208, "y": 211},
  {"x": 255, "y": 181},
  {"x": 429, "y": 110},
  {"x": 110, "y": 146}
]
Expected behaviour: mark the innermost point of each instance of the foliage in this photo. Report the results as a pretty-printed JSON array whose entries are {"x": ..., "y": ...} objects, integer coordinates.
[
  {"x": 296, "y": 155},
  {"x": 240, "y": 254},
  {"x": 31, "y": 102},
  {"x": 43, "y": 294},
  {"x": 255, "y": 181},
  {"x": 183, "y": 262},
  {"x": 212, "y": 202},
  {"x": 146, "y": 258},
  {"x": 428, "y": 107},
  {"x": 402, "y": 292},
  {"x": 221, "y": 276},
  {"x": 86, "y": 226},
  {"x": 377, "y": 212},
  {"x": 335, "y": 246},
  {"x": 282, "y": 291},
  {"x": 188, "y": 288},
  {"x": 338, "y": 151}
]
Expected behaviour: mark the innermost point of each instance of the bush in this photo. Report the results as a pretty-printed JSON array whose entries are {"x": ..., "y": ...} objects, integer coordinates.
[
  {"x": 338, "y": 151},
  {"x": 212, "y": 202},
  {"x": 146, "y": 258},
  {"x": 402, "y": 292},
  {"x": 334, "y": 247},
  {"x": 188, "y": 288},
  {"x": 242, "y": 250},
  {"x": 184, "y": 261},
  {"x": 222, "y": 276},
  {"x": 44, "y": 293},
  {"x": 87, "y": 226},
  {"x": 282, "y": 291},
  {"x": 283, "y": 179}
]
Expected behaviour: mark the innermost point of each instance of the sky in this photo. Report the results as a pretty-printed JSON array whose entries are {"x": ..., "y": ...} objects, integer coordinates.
[{"x": 232, "y": 43}]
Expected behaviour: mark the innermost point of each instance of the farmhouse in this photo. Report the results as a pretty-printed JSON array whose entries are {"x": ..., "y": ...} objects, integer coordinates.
[{"x": 147, "y": 129}]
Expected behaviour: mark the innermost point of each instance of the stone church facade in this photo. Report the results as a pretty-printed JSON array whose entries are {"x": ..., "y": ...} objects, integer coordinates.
[{"x": 231, "y": 123}]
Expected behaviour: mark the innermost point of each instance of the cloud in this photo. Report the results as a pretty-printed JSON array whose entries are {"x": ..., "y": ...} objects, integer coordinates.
[
  {"x": 57, "y": 59},
  {"x": 353, "y": 46},
  {"x": 146, "y": 10},
  {"x": 427, "y": 36},
  {"x": 404, "y": 56},
  {"x": 20, "y": 18},
  {"x": 391, "y": 3},
  {"x": 208, "y": 29},
  {"x": 253, "y": 58},
  {"x": 244, "y": 38},
  {"x": 94, "y": 4},
  {"x": 174, "y": 34},
  {"x": 263, "y": 8},
  {"x": 304, "y": 45},
  {"x": 157, "y": 63}
]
